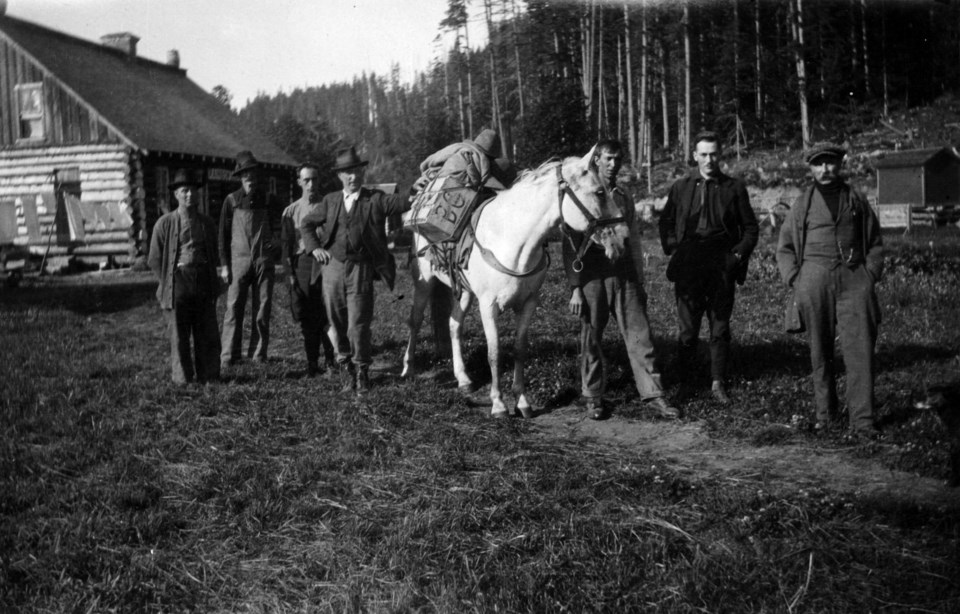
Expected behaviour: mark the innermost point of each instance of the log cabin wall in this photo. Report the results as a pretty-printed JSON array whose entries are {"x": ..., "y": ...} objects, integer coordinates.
[{"x": 108, "y": 181}]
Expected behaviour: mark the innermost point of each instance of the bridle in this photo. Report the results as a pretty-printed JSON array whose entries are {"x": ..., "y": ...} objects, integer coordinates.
[{"x": 593, "y": 223}]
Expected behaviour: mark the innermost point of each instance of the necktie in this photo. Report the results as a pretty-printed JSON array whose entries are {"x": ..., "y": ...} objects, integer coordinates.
[{"x": 704, "y": 207}]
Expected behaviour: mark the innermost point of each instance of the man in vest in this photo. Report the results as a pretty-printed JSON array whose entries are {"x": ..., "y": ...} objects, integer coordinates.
[
  {"x": 347, "y": 235},
  {"x": 183, "y": 254},
  {"x": 304, "y": 273},
  {"x": 831, "y": 253},
  {"x": 248, "y": 253}
]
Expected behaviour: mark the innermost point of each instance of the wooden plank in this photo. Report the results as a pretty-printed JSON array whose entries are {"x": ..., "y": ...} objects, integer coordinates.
[{"x": 61, "y": 150}]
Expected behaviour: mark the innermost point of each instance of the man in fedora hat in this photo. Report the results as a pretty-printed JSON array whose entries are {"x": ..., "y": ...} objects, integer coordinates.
[
  {"x": 347, "y": 235},
  {"x": 183, "y": 254},
  {"x": 473, "y": 164},
  {"x": 709, "y": 229},
  {"x": 249, "y": 253},
  {"x": 831, "y": 253},
  {"x": 304, "y": 272}
]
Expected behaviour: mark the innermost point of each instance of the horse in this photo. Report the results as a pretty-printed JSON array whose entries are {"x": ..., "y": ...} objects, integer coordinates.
[{"x": 508, "y": 262}]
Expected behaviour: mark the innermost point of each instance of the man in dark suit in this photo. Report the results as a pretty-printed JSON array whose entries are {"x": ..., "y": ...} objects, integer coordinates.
[
  {"x": 346, "y": 234},
  {"x": 710, "y": 230}
]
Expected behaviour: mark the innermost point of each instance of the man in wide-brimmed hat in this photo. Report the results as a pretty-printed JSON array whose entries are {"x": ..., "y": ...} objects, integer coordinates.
[
  {"x": 347, "y": 235},
  {"x": 471, "y": 163},
  {"x": 305, "y": 273},
  {"x": 183, "y": 254},
  {"x": 249, "y": 252},
  {"x": 831, "y": 254}
]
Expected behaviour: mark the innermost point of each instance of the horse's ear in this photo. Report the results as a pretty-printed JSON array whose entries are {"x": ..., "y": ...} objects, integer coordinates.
[{"x": 588, "y": 161}]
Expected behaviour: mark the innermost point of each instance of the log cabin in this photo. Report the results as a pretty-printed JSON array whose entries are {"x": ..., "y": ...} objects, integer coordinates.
[{"x": 90, "y": 134}]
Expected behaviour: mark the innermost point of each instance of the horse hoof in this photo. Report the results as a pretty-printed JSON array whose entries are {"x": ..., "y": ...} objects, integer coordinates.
[
  {"x": 465, "y": 389},
  {"x": 525, "y": 412},
  {"x": 499, "y": 415}
]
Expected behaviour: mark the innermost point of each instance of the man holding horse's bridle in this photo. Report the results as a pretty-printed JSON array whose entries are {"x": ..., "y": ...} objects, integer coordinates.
[
  {"x": 601, "y": 288},
  {"x": 710, "y": 229}
]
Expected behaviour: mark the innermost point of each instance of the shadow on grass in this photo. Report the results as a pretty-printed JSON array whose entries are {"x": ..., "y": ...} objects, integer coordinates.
[
  {"x": 87, "y": 299},
  {"x": 908, "y": 354}
]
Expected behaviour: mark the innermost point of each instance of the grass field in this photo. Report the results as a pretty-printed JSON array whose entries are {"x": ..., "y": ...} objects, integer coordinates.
[{"x": 120, "y": 492}]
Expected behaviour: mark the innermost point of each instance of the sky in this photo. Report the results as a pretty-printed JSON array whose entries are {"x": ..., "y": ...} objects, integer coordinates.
[{"x": 267, "y": 46}]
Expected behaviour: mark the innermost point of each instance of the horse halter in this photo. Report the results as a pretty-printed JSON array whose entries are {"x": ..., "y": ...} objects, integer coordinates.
[{"x": 593, "y": 223}]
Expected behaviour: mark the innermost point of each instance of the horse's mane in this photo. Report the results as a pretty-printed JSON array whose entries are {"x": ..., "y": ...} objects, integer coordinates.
[{"x": 530, "y": 176}]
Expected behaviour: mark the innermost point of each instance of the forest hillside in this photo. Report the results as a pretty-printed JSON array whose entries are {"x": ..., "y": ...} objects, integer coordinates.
[{"x": 771, "y": 76}]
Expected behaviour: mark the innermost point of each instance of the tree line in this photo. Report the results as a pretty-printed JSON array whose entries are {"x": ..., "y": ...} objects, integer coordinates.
[{"x": 553, "y": 77}]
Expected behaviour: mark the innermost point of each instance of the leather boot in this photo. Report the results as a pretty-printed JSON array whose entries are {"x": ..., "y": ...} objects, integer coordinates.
[{"x": 346, "y": 378}]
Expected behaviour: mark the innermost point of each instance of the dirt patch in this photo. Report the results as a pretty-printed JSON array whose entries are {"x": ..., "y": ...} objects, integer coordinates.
[{"x": 791, "y": 465}]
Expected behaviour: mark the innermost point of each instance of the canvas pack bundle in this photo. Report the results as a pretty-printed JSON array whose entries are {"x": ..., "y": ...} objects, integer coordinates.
[{"x": 441, "y": 211}]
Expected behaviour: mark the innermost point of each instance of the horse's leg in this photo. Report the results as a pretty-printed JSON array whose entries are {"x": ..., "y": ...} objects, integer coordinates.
[
  {"x": 488, "y": 314},
  {"x": 457, "y": 315},
  {"x": 421, "y": 294},
  {"x": 524, "y": 317}
]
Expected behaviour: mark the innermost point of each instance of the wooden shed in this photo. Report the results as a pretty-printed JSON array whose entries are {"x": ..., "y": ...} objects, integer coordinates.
[
  {"x": 90, "y": 135},
  {"x": 921, "y": 185}
]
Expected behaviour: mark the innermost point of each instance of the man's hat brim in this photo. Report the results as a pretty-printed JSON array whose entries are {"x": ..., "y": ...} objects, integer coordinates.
[{"x": 347, "y": 167}]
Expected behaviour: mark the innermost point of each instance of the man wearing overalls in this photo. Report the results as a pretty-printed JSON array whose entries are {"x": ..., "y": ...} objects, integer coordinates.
[{"x": 249, "y": 253}]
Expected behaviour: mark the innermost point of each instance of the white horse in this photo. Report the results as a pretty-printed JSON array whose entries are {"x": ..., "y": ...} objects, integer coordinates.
[{"x": 508, "y": 262}]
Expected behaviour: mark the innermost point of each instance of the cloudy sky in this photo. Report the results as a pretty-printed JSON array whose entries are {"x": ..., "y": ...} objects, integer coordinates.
[{"x": 267, "y": 46}]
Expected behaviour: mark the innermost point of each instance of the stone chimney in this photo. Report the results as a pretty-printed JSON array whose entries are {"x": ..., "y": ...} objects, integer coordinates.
[
  {"x": 124, "y": 41},
  {"x": 173, "y": 58}
]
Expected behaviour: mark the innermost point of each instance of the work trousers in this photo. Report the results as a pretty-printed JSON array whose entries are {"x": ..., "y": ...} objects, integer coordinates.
[
  {"x": 706, "y": 290},
  {"x": 194, "y": 315},
  {"x": 840, "y": 300},
  {"x": 626, "y": 300},
  {"x": 307, "y": 308},
  {"x": 348, "y": 296},
  {"x": 256, "y": 275}
]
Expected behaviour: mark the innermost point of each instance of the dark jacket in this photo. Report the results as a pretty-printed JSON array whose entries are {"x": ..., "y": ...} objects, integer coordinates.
[
  {"x": 318, "y": 229},
  {"x": 793, "y": 234},
  {"x": 737, "y": 216},
  {"x": 163, "y": 255}
]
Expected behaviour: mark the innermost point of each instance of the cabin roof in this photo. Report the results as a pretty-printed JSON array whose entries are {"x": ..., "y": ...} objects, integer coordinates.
[
  {"x": 153, "y": 105},
  {"x": 914, "y": 157}
]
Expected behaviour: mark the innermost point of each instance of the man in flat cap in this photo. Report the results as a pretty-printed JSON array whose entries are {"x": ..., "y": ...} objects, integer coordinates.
[
  {"x": 346, "y": 234},
  {"x": 249, "y": 252},
  {"x": 183, "y": 254},
  {"x": 710, "y": 230},
  {"x": 831, "y": 253}
]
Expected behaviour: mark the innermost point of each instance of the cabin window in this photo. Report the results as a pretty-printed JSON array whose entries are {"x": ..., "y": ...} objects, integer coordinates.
[
  {"x": 273, "y": 185},
  {"x": 30, "y": 109}
]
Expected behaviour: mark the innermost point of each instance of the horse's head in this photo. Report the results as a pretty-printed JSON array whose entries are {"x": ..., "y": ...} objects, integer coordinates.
[{"x": 587, "y": 207}]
